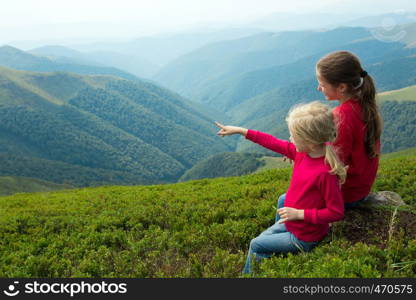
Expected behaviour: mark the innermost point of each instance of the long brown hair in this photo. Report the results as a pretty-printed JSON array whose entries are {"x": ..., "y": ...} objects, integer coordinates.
[{"x": 345, "y": 67}]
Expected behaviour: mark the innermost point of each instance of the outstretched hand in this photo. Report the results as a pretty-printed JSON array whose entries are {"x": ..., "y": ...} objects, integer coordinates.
[
  {"x": 229, "y": 130},
  {"x": 290, "y": 214}
]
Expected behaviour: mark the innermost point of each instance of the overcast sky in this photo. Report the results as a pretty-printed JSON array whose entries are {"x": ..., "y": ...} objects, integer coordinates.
[{"x": 29, "y": 19}]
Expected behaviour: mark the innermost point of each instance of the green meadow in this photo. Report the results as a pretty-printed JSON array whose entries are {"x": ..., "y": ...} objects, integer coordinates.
[{"x": 200, "y": 228}]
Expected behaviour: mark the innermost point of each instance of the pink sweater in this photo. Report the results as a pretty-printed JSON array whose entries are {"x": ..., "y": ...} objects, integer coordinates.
[{"x": 312, "y": 189}]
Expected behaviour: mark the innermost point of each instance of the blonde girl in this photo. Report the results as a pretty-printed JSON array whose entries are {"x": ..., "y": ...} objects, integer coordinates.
[{"x": 314, "y": 198}]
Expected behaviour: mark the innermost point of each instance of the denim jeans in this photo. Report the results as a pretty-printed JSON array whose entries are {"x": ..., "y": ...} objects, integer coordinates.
[{"x": 274, "y": 240}]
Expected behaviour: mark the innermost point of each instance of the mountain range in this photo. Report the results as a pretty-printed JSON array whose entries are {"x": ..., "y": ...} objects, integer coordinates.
[
  {"x": 76, "y": 118},
  {"x": 84, "y": 130}
]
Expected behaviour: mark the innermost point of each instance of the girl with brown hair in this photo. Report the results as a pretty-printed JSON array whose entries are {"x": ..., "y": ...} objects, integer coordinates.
[{"x": 341, "y": 77}]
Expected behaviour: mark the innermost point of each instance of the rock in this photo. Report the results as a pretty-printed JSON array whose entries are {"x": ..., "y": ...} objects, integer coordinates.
[{"x": 384, "y": 198}]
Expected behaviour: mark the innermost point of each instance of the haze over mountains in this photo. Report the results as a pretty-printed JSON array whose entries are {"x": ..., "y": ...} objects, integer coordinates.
[
  {"x": 142, "y": 112},
  {"x": 143, "y": 56}
]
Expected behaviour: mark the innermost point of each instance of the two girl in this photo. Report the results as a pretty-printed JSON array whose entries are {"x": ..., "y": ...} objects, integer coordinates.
[
  {"x": 323, "y": 142},
  {"x": 342, "y": 78}
]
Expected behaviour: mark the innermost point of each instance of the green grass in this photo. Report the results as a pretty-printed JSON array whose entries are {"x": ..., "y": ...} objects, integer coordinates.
[
  {"x": 199, "y": 228},
  {"x": 401, "y": 154},
  {"x": 272, "y": 163},
  {"x": 404, "y": 94},
  {"x": 21, "y": 79}
]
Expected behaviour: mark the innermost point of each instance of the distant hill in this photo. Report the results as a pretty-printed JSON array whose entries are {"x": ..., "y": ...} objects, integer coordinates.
[
  {"x": 20, "y": 60},
  {"x": 117, "y": 130},
  {"x": 384, "y": 61},
  {"x": 217, "y": 62},
  {"x": 399, "y": 130},
  {"x": 301, "y": 21},
  {"x": 223, "y": 165},
  {"x": 11, "y": 185},
  {"x": 397, "y": 19},
  {"x": 232, "y": 164},
  {"x": 132, "y": 64},
  {"x": 162, "y": 49},
  {"x": 404, "y": 94}
]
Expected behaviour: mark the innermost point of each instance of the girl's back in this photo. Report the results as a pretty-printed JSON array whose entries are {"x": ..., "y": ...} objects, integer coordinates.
[
  {"x": 342, "y": 78},
  {"x": 350, "y": 145}
]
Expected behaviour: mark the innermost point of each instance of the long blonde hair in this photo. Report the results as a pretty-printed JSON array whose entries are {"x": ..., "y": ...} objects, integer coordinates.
[{"x": 313, "y": 123}]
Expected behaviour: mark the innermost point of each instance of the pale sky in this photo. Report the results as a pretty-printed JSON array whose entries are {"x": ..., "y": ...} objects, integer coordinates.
[{"x": 25, "y": 19}]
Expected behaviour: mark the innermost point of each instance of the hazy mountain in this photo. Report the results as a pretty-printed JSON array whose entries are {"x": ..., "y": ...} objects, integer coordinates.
[
  {"x": 162, "y": 49},
  {"x": 195, "y": 72},
  {"x": 310, "y": 21},
  {"x": 132, "y": 64},
  {"x": 117, "y": 130},
  {"x": 229, "y": 93},
  {"x": 224, "y": 165},
  {"x": 302, "y": 21},
  {"x": 388, "y": 21},
  {"x": 20, "y": 60}
]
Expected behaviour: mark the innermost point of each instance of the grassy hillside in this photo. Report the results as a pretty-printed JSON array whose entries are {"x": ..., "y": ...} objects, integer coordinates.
[
  {"x": 10, "y": 185},
  {"x": 404, "y": 94},
  {"x": 232, "y": 164},
  {"x": 137, "y": 131},
  {"x": 199, "y": 228},
  {"x": 17, "y": 59},
  {"x": 271, "y": 162},
  {"x": 128, "y": 63},
  {"x": 223, "y": 165}
]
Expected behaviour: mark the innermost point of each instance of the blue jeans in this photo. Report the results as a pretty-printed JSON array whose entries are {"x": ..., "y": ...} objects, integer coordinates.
[
  {"x": 280, "y": 204},
  {"x": 274, "y": 240}
]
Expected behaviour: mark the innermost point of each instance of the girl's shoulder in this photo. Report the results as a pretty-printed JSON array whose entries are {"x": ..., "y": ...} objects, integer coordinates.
[
  {"x": 347, "y": 111},
  {"x": 351, "y": 106}
]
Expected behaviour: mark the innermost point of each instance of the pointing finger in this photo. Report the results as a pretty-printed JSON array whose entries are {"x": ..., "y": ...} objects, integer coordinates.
[{"x": 219, "y": 125}]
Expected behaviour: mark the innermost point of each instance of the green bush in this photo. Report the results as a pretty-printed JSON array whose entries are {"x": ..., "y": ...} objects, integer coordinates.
[{"x": 199, "y": 228}]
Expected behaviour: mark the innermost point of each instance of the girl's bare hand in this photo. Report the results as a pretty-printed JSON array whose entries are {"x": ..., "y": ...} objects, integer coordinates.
[
  {"x": 290, "y": 214},
  {"x": 229, "y": 130}
]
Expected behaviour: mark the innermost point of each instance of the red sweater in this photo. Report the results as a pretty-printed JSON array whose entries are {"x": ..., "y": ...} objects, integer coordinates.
[
  {"x": 312, "y": 189},
  {"x": 351, "y": 149}
]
